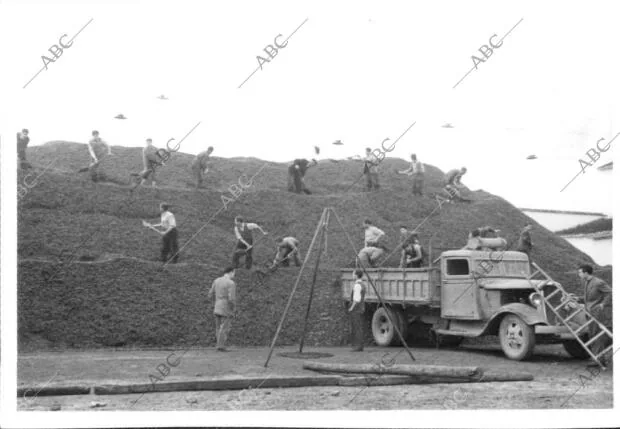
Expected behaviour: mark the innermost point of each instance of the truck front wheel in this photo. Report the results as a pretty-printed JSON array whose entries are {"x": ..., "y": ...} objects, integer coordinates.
[
  {"x": 383, "y": 330},
  {"x": 516, "y": 337}
]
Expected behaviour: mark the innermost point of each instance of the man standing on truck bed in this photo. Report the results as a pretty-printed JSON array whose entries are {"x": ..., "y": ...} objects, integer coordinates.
[
  {"x": 598, "y": 302},
  {"x": 372, "y": 250},
  {"x": 358, "y": 306},
  {"x": 245, "y": 241},
  {"x": 413, "y": 253}
]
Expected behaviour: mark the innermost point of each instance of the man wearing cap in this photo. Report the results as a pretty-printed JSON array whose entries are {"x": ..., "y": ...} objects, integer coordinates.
[
  {"x": 22, "y": 144},
  {"x": 200, "y": 165}
]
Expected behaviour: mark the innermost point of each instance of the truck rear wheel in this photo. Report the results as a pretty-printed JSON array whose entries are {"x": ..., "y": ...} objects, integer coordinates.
[
  {"x": 516, "y": 337},
  {"x": 383, "y": 330}
]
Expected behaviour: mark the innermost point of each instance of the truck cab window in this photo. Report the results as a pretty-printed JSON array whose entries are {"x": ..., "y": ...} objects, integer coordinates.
[{"x": 458, "y": 267}]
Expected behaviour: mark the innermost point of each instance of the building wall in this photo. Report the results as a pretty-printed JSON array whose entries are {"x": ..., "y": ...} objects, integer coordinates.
[{"x": 599, "y": 250}]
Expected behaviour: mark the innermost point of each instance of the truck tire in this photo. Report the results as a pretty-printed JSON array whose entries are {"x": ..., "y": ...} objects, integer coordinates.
[
  {"x": 575, "y": 349},
  {"x": 383, "y": 330},
  {"x": 516, "y": 337}
]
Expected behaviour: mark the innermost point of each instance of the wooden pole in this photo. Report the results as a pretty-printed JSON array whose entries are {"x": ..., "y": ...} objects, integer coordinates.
[
  {"x": 368, "y": 368},
  {"x": 290, "y": 298},
  {"x": 387, "y": 313},
  {"x": 316, "y": 270}
]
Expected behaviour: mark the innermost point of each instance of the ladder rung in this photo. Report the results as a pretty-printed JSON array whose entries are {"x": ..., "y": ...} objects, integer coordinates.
[
  {"x": 596, "y": 337},
  {"x": 584, "y": 325},
  {"x": 579, "y": 310},
  {"x": 607, "y": 350},
  {"x": 553, "y": 293},
  {"x": 563, "y": 303}
]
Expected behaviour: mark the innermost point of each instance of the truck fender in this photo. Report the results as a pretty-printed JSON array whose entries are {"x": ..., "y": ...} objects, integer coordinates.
[{"x": 529, "y": 315}]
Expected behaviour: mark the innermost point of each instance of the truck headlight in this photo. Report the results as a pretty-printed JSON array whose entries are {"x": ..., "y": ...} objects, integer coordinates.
[{"x": 536, "y": 299}]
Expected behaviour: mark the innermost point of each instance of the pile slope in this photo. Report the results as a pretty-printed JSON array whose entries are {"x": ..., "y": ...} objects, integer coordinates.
[{"x": 104, "y": 286}]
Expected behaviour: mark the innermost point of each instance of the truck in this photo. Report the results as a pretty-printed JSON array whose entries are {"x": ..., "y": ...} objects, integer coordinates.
[{"x": 467, "y": 294}]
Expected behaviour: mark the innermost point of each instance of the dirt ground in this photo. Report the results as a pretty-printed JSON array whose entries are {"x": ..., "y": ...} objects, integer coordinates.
[{"x": 559, "y": 381}]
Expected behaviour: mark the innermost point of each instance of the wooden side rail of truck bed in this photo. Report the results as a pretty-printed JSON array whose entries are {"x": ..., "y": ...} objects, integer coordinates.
[{"x": 398, "y": 285}]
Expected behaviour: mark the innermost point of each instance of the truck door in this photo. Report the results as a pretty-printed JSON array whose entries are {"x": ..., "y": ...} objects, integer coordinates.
[{"x": 458, "y": 290}]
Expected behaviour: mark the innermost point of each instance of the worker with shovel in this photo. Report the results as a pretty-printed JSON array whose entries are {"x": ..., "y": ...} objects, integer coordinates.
[
  {"x": 151, "y": 159},
  {"x": 288, "y": 248},
  {"x": 245, "y": 240},
  {"x": 170, "y": 236},
  {"x": 97, "y": 150}
]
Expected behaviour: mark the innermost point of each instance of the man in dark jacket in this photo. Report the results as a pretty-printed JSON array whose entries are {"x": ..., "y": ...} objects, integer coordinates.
[
  {"x": 296, "y": 172},
  {"x": 22, "y": 144},
  {"x": 525, "y": 240},
  {"x": 598, "y": 302}
]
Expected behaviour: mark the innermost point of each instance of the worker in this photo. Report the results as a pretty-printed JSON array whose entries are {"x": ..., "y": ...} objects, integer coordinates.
[
  {"x": 414, "y": 257},
  {"x": 151, "y": 159},
  {"x": 598, "y": 301},
  {"x": 22, "y": 144},
  {"x": 372, "y": 234},
  {"x": 525, "y": 240},
  {"x": 288, "y": 248},
  {"x": 371, "y": 170},
  {"x": 200, "y": 165},
  {"x": 97, "y": 150},
  {"x": 357, "y": 310},
  {"x": 373, "y": 249},
  {"x": 453, "y": 183},
  {"x": 170, "y": 236},
  {"x": 245, "y": 241},
  {"x": 223, "y": 290},
  {"x": 489, "y": 232},
  {"x": 417, "y": 171},
  {"x": 406, "y": 239},
  {"x": 296, "y": 173}
]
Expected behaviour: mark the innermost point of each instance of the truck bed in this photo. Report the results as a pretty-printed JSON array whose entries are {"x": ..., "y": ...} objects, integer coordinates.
[{"x": 398, "y": 285}]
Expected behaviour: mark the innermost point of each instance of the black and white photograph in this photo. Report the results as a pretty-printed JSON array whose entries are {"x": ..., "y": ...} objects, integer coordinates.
[{"x": 402, "y": 210}]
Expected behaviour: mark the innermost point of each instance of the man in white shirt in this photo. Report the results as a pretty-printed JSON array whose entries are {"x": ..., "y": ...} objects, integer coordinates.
[
  {"x": 372, "y": 250},
  {"x": 245, "y": 241},
  {"x": 98, "y": 150},
  {"x": 357, "y": 309},
  {"x": 372, "y": 234},
  {"x": 170, "y": 244},
  {"x": 417, "y": 171}
]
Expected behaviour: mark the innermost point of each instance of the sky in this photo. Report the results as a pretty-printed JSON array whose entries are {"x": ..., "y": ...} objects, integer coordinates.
[{"x": 358, "y": 72}]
